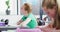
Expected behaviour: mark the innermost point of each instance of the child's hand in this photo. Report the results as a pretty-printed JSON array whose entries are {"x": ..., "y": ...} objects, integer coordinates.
[{"x": 18, "y": 23}]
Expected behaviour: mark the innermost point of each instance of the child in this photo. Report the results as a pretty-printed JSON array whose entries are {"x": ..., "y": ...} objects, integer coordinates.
[
  {"x": 52, "y": 8},
  {"x": 28, "y": 20}
]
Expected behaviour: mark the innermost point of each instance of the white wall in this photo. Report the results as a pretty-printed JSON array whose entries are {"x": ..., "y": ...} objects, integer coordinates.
[
  {"x": 19, "y": 7},
  {"x": 2, "y": 7},
  {"x": 13, "y": 7}
]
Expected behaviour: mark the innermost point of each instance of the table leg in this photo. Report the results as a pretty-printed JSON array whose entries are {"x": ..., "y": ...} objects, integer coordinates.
[{"x": 0, "y": 31}]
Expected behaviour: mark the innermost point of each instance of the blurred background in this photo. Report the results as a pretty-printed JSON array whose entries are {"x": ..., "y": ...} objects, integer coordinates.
[
  {"x": 10, "y": 9},
  {"x": 14, "y": 4},
  {"x": 36, "y": 5}
]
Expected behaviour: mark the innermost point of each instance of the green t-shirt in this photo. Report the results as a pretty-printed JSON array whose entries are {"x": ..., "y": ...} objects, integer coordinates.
[{"x": 32, "y": 23}]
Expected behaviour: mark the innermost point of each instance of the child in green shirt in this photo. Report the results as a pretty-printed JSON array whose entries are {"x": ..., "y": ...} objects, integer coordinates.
[{"x": 28, "y": 19}]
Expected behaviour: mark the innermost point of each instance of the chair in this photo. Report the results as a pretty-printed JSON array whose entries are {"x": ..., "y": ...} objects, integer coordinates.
[{"x": 28, "y": 30}]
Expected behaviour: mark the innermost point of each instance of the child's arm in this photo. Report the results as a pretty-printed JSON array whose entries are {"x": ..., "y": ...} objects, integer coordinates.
[
  {"x": 26, "y": 22},
  {"x": 20, "y": 21}
]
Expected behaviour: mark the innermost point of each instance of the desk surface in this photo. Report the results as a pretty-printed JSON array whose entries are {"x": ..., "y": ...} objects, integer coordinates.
[
  {"x": 4, "y": 28},
  {"x": 8, "y": 27}
]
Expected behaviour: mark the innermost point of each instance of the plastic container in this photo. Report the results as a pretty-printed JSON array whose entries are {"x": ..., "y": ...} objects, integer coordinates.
[{"x": 2, "y": 24}]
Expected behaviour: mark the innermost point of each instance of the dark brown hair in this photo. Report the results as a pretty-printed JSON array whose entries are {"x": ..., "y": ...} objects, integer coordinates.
[
  {"x": 57, "y": 18},
  {"x": 50, "y": 4},
  {"x": 45, "y": 2},
  {"x": 27, "y": 7}
]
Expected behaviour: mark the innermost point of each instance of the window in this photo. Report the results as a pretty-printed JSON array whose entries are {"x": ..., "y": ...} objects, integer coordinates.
[{"x": 35, "y": 5}]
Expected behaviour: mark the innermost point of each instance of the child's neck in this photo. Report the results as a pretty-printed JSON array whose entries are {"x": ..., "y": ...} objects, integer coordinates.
[{"x": 25, "y": 14}]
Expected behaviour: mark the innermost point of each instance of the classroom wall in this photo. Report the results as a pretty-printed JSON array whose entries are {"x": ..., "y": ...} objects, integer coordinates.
[{"x": 13, "y": 7}]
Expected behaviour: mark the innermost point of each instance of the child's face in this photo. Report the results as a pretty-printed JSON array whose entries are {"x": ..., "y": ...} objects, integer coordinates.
[
  {"x": 50, "y": 12},
  {"x": 23, "y": 10}
]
